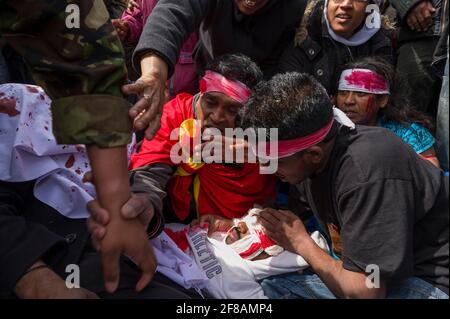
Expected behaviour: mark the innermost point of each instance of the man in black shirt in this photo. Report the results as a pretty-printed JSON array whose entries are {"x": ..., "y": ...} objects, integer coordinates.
[{"x": 384, "y": 209}]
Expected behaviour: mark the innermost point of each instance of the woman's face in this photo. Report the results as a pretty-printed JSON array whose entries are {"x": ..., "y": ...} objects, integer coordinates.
[
  {"x": 249, "y": 7},
  {"x": 361, "y": 108},
  {"x": 346, "y": 16}
]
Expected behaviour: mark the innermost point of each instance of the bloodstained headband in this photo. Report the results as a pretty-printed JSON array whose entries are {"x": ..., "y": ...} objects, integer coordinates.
[
  {"x": 215, "y": 82},
  {"x": 363, "y": 80},
  {"x": 272, "y": 150},
  {"x": 281, "y": 149}
]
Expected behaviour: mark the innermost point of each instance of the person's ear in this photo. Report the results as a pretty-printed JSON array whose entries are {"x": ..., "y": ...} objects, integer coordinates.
[
  {"x": 314, "y": 155},
  {"x": 383, "y": 99}
]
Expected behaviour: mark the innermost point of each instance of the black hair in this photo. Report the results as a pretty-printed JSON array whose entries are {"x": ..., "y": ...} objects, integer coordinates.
[
  {"x": 295, "y": 103},
  {"x": 399, "y": 107},
  {"x": 237, "y": 67}
]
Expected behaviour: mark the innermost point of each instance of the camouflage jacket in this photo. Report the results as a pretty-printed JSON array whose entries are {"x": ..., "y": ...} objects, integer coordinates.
[{"x": 78, "y": 60}]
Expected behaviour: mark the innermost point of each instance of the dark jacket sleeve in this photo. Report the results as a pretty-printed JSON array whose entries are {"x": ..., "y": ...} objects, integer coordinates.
[
  {"x": 403, "y": 6},
  {"x": 152, "y": 180},
  {"x": 169, "y": 25},
  {"x": 22, "y": 242},
  {"x": 385, "y": 46}
]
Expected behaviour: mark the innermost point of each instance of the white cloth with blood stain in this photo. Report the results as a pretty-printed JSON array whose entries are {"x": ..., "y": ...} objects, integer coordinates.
[
  {"x": 176, "y": 264},
  {"x": 29, "y": 151},
  {"x": 228, "y": 275},
  {"x": 256, "y": 241}
]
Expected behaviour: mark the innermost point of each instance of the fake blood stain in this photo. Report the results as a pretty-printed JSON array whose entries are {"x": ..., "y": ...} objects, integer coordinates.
[
  {"x": 32, "y": 89},
  {"x": 8, "y": 106},
  {"x": 366, "y": 80},
  {"x": 70, "y": 161}
]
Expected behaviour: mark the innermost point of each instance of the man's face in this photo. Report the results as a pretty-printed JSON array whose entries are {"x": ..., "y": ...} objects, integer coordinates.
[
  {"x": 239, "y": 233},
  {"x": 293, "y": 169},
  {"x": 218, "y": 111},
  {"x": 345, "y": 16},
  {"x": 236, "y": 233},
  {"x": 249, "y": 7}
]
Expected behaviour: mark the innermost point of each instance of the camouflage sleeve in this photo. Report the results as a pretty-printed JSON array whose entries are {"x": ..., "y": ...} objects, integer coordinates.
[{"x": 74, "y": 53}]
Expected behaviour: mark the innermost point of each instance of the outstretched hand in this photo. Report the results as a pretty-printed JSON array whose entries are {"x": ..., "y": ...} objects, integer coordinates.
[{"x": 152, "y": 92}]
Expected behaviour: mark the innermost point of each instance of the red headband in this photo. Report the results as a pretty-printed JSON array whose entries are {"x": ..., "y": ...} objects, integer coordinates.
[
  {"x": 291, "y": 147},
  {"x": 215, "y": 82}
]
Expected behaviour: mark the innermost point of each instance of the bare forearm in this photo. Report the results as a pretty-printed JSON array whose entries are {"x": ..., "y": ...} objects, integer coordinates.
[
  {"x": 110, "y": 170},
  {"x": 341, "y": 282},
  {"x": 153, "y": 65},
  {"x": 41, "y": 282},
  {"x": 37, "y": 282}
]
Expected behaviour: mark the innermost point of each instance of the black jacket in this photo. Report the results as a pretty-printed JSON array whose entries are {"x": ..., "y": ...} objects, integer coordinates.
[
  {"x": 440, "y": 18},
  {"x": 30, "y": 230},
  {"x": 315, "y": 52},
  {"x": 223, "y": 29}
]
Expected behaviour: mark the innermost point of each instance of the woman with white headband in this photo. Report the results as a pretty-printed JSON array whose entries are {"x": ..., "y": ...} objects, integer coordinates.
[
  {"x": 368, "y": 95},
  {"x": 334, "y": 32}
]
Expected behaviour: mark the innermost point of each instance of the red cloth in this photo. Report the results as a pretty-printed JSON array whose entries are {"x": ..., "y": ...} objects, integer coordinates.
[
  {"x": 225, "y": 191},
  {"x": 179, "y": 238}
]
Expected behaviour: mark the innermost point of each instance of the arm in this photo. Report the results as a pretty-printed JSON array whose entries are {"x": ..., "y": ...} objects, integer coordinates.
[
  {"x": 73, "y": 72},
  {"x": 145, "y": 205},
  {"x": 23, "y": 246},
  {"x": 151, "y": 181},
  {"x": 135, "y": 21},
  {"x": 342, "y": 282},
  {"x": 21, "y": 243},
  {"x": 289, "y": 232},
  {"x": 430, "y": 155},
  {"x": 40, "y": 282},
  {"x": 417, "y": 14},
  {"x": 156, "y": 55},
  {"x": 90, "y": 109},
  {"x": 144, "y": 208},
  {"x": 376, "y": 229},
  {"x": 167, "y": 28},
  {"x": 403, "y": 7}
]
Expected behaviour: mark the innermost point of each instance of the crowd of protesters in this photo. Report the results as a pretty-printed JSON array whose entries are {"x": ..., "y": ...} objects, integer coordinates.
[{"x": 357, "y": 91}]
